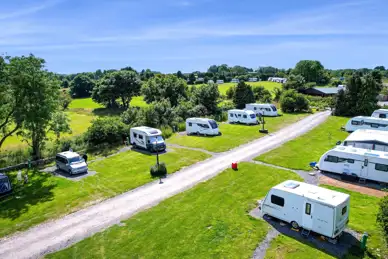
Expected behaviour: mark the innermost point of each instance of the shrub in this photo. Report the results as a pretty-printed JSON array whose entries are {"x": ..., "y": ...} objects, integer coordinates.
[
  {"x": 243, "y": 95},
  {"x": 230, "y": 92},
  {"x": 301, "y": 103},
  {"x": 278, "y": 93},
  {"x": 109, "y": 130},
  {"x": 262, "y": 94},
  {"x": 166, "y": 131},
  {"x": 158, "y": 171},
  {"x": 182, "y": 126},
  {"x": 292, "y": 101},
  {"x": 382, "y": 217},
  {"x": 310, "y": 85}
]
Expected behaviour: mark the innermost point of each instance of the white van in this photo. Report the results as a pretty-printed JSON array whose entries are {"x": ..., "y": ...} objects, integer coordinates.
[
  {"x": 356, "y": 162},
  {"x": 380, "y": 113},
  {"x": 368, "y": 139},
  {"x": 261, "y": 109},
  {"x": 147, "y": 138},
  {"x": 242, "y": 116},
  {"x": 313, "y": 208},
  {"x": 202, "y": 126},
  {"x": 362, "y": 122},
  {"x": 71, "y": 162}
]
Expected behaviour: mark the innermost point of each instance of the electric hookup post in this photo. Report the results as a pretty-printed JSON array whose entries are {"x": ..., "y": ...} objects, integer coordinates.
[{"x": 263, "y": 130}]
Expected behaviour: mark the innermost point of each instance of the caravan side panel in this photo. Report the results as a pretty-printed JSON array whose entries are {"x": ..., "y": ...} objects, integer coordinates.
[{"x": 323, "y": 219}]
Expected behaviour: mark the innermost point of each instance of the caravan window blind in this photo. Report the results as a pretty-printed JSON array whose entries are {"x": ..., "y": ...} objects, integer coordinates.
[{"x": 381, "y": 167}]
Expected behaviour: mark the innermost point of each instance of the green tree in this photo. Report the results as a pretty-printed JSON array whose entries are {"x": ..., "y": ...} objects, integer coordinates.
[
  {"x": 59, "y": 124},
  {"x": 39, "y": 94},
  {"x": 296, "y": 82},
  {"x": 107, "y": 130},
  {"x": 382, "y": 217},
  {"x": 243, "y": 95},
  {"x": 82, "y": 86},
  {"x": 277, "y": 93},
  {"x": 65, "y": 99},
  {"x": 262, "y": 94},
  {"x": 179, "y": 74},
  {"x": 146, "y": 74},
  {"x": 167, "y": 87},
  {"x": 192, "y": 79},
  {"x": 65, "y": 83},
  {"x": 311, "y": 70},
  {"x": 292, "y": 101},
  {"x": 207, "y": 95},
  {"x": 159, "y": 114},
  {"x": 231, "y": 92}
]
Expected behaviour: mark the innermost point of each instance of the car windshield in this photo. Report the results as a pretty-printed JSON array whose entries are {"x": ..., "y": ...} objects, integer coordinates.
[
  {"x": 213, "y": 124},
  {"x": 253, "y": 116},
  {"x": 154, "y": 139},
  {"x": 76, "y": 159},
  {"x": 273, "y": 108}
]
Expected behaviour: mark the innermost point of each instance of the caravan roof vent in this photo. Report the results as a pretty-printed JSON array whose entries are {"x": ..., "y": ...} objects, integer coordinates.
[{"x": 291, "y": 185}]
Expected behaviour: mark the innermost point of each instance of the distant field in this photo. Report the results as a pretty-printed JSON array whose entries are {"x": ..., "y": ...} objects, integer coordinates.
[
  {"x": 268, "y": 85},
  {"x": 208, "y": 221},
  {"x": 299, "y": 152},
  {"x": 234, "y": 135},
  {"x": 84, "y": 103}
]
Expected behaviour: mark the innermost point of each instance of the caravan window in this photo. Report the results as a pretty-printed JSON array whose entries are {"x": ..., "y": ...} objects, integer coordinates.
[
  {"x": 344, "y": 209},
  {"x": 205, "y": 126},
  {"x": 381, "y": 167},
  {"x": 268, "y": 109},
  {"x": 190, "y": 124},
  {"x": 383, "y": 116},
  {"x": 255, "y": 108},
  {"x": 341, "y": 160},
  {"x": 273, "y": 108},
  {"x": 356, "y": 123},
  {"x": 374, "y": 125},
  {"x": 277, "y": 200},
  {"x": 308, "y": 209},
  {"x": 244, "y": 116},
  {"x": 332, "y": 159},
  {"x": 140, "y": 136},
  {"x": 231, "y": 115},
  {"x": 239, "y": 115},
  {"x": 213, "y": 124},
  {"x": 253, "y": 116},
  {"x": 135, "y": 135}
]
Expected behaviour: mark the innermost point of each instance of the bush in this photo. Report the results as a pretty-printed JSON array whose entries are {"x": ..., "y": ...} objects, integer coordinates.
[
  {"x": 310, "y": 85},
  {"x": 382, "y": 217},
  {"x": 291, "y": 101},
  {"x": 158, "y": 171},
  {"x": 262, "y": 94},
  {"x": 230, "y": 92},
  {"x": 301, "y": 103},
  {"x": 181, "y": 126},
  {"x": 109, "y": 130},
  {"x": 243, "y": 95},
  {"x": 278, "y": 93},
  {"x": 166, "y": 131}
]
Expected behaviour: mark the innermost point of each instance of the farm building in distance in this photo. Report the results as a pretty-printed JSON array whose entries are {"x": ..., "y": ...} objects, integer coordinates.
[{"x": 322, "y": 91}]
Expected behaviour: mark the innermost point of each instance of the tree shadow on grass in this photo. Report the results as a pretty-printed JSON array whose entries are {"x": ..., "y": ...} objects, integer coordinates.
[
  {"x": 106, "y": 112},
  {"x": 39, "y": 189}
]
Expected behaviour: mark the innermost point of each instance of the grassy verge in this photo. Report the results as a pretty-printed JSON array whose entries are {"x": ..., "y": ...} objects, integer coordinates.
[
  {"x": 47, "y": 197},
  {"x": 234, "y": 135},
  {"x": 209, "y": 221},
  {"x": 363, "y": 211},
  {"x": 298, "y": 153}
]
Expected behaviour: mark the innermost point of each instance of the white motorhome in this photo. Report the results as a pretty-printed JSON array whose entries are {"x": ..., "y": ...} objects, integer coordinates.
[
  {"x": 368, "y": 139},
  {"x": 380, "y": 113},
  {"x": 261, "y": 109},
  {"x": 220, "y": 81},
  {"x": 202, "y": 126},
  {"x": 310, "y": 207},
  {"x": 362, "y": 122},
  {"x": 242, "y": 116},
  {"x": 147, "y": 138},
  {"x": 356, "y": 162}
]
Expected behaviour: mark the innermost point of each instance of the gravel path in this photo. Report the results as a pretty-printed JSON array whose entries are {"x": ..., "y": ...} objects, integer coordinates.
[{"x": 57, "y": 234}]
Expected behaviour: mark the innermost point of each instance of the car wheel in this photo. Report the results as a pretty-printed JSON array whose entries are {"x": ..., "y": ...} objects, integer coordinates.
[{"x": 294, "y": 225}]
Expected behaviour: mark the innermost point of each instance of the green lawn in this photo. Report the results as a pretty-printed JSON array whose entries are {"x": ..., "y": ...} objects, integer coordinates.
[
  {"x": 138, "y": 101},
  {"x": 84, "y": 103},
  {"x": 268, "y": 85},
  {"x": 234, "y": 135},
  {"x": 363, "y": 209},
  {"x": 298, "y": 153},
  {"x": 47, "y": 197},
  {"x": 209, "y": 221}
]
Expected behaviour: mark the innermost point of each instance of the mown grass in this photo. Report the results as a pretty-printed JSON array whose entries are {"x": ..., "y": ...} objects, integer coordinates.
[
  {"x": 209, "y": 221},
  {"x": 298, "y": 153},
  {"x": 84, "y": 103},
  {"x": 363, "y": 210},
  {"x": 234, "y": 135},
  {"x": 267, "y": 85},
  {"x": 48, "y": 197}
]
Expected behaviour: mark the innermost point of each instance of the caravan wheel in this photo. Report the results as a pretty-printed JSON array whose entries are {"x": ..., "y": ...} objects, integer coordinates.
[{"x": 294, "y": 225}]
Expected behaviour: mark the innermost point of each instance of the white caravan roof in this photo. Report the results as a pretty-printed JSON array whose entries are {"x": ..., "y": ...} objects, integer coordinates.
[
  {"x": 361, "y": 151},
  {"x": 312, "y": 192},
  {"x": 257, "y": 104},
  {"x": 205, "y": 120},
  {"x": 370, "y": 119},
  {"x": 382, "y": 110},
  {"x": 148, "y": 131},
  {"x": 368, "y": 135},
  {"x": 69, "y": 154},
  {"x": 245, "y": 111}
]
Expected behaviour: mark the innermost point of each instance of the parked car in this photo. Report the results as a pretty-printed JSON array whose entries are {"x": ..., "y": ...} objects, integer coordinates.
[{"x": 71, "y": 162}]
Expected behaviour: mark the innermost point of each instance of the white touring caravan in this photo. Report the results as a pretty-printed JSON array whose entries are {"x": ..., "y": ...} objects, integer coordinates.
[
  {"x": 361, "y": 122},
  {"x": 261, "y": 109},
  {"x": 356, "y": 162},
  {"x": 380, "y": 113},
  {"x": 147, "y": 138},
  {"x": 242, "y": 116},
  {"x": 202, "y": 126},
  {"x": 310, "y": 207},
  {"x": 368, "y": 139}
]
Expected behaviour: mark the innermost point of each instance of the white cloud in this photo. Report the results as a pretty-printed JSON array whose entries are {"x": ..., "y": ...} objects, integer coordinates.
[{"x": 29, "y": 10}]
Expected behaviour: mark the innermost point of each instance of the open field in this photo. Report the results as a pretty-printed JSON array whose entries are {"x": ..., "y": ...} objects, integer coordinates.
[
  {"x": 267, "y": 85},
  {"x": 234, "y": 135},
  {"x": 209, "y": 221},
  {"x": 363, "y": 211},
  {"x": 48, "y": 197},
  {"x": 298, "y": 153}
]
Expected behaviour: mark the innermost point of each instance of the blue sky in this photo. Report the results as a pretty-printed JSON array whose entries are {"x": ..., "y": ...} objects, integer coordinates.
[{"x": 187, "y": 35}]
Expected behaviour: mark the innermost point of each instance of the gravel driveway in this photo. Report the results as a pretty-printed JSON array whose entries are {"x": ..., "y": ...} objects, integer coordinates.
[{"x": 63, "y": 232}]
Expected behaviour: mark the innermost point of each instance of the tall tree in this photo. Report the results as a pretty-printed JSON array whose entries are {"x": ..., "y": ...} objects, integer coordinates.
[
  {"x": 82, "y": 86},
  {"x": 243, "y": 95},
  {"x": 38, "y": 93},
  {"x": 296, "y": 82},
  {"x": 167, "y": 87},
  {"x": 59, "y": 124},
  {"x": 311, "y": 70},
  {"x": 179, "y": 74},
  {"x": 207, "y": 95}
]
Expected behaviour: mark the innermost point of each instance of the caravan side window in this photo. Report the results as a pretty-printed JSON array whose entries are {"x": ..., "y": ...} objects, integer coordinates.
[
  {"x": 244, "y": 116},
  {"x": 135, "y": 135},
  {"x": 332, "y": 159},
  {"x": 355, "y": 123},
  {"x": 140, "y": 136},
  {"x": 255, "y": 108},
  {"x": 308, "y": 209},
  {"x": 277, "y": 200},
  {"x": 239, "y": 115},
  {"x": 190, "y": 124},
  {"x": 344, "y": 209},
  {"x": 383, "y": 116},
  {"x": 381, "y": 167},
  {"x": 231, "y": 115}
]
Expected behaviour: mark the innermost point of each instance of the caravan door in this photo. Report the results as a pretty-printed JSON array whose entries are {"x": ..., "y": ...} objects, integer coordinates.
[
  {"x": 364, "y": 169},
  {"x": 307, "y": 216}
]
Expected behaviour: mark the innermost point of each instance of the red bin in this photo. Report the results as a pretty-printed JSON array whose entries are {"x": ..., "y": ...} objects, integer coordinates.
[{"x": 234, "y": 165}]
